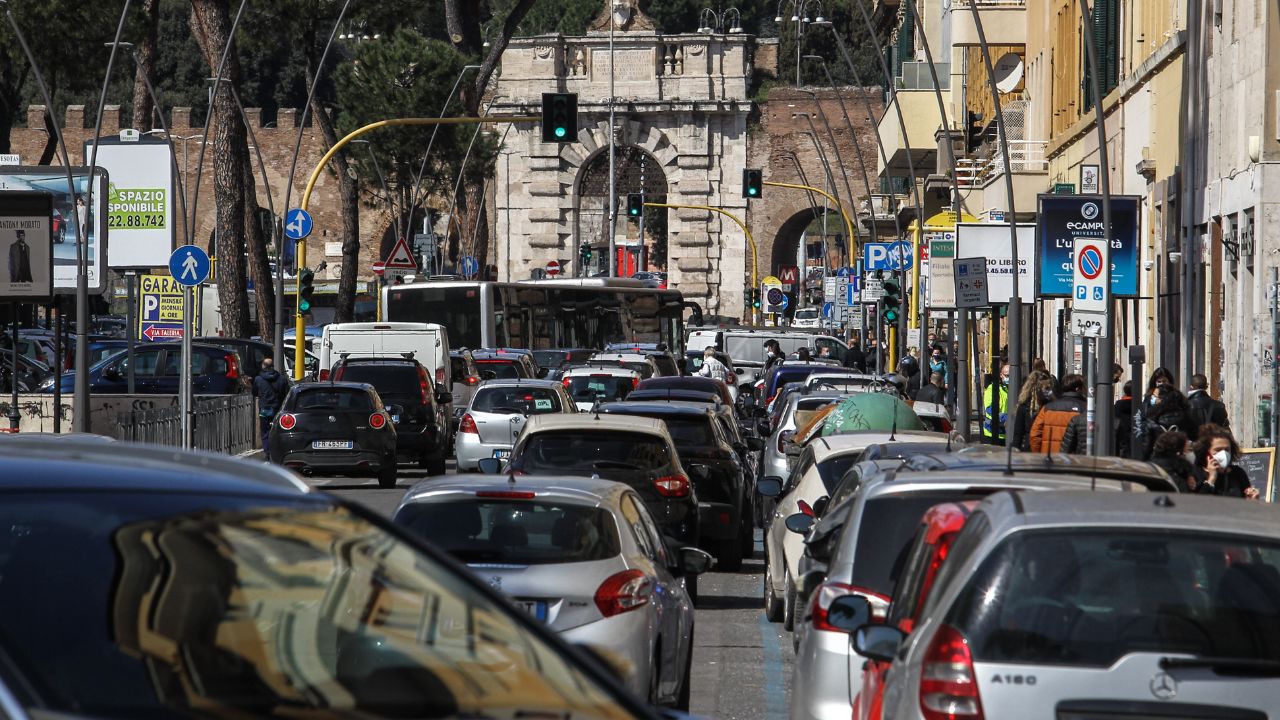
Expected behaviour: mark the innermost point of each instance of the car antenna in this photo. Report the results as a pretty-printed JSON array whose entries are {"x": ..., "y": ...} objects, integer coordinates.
[{"x": 893, "y": 431}]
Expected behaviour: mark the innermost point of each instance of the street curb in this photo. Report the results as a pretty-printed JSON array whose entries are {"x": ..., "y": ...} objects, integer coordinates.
[{"x": 253, "y": 455}]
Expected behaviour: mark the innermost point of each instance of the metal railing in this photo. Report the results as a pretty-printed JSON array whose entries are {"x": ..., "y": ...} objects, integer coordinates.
[
  {"x": 916, "y": 76},
  {"x": 957, "y": 4},
  {"x": 223, "y": 423}
]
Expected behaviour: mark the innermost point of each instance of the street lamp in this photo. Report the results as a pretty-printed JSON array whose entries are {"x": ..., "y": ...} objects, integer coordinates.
[
  {"x": 718, "y": 20},
  {"x": 800, "y": 16}
]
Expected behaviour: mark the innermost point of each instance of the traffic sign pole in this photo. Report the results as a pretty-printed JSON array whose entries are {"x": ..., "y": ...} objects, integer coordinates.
[{"x": 185, "y": 376}]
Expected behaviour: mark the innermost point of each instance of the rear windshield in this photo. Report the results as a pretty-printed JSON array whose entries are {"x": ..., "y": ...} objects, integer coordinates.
[
  {"x": 832, "y": 469},
  {"x": 587, "y": 388},
  {"x": 401, "y": 378},
  {"x": 550, "y": 358},
  {"x": 516, "y": 401},
  {"x": 1089, "y": 597},
  {"x": 502, "y": 369},
  {"x": 332, "y": 399},
  {"x": 806, "y": 409},
  {"x": 578, "y": 451},
  {"x": 514, "y": 531},
  {"x": 888, "y": 525}
]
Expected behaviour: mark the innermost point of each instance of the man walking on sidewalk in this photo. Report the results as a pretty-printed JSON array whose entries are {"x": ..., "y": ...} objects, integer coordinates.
[{"x": 269, "y": 387}]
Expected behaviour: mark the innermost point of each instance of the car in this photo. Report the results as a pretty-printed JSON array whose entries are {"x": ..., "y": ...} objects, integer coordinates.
[
  {"x": 657, "y": 352},
  {"x": 874, "y": 528},
  {"x": 846, "y": 382},
  {"x": 791, "y": 372},
  {"x": 590, "y": 385},
  {"x": 819, "y": 467},
  {"x": 498, "y": 412},
  {"x": 582, "y": 556},
  {"x": 807, "y": 317},
  {"x": 652, "y": 279},
  {"x": 37, "y": 348},
  {"x": 774, "y": 460},
  {"x": 746, "y": 346},
  {"x": 157, "y": 370},
  {"x": 32, "y": 375},
  {"x": 637, "y": 451},
  {"x": 415, "y": 403},
  {"x": 725, "y": 392},
  {"x": 335, "y": 428},
  {"x": 506, "y": 364},
  {"x": 191, "y": 584},
  {"x": 464, "y": 378},
  {"x": 1076, "y": 604},
  {"x": 724, "y": 491},
  {"x": 642, "y": 364},
  {"x": 556, "y": 359}
]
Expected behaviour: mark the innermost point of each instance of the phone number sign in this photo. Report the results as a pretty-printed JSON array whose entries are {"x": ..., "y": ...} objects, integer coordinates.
[{"x": 137, "y": 208}]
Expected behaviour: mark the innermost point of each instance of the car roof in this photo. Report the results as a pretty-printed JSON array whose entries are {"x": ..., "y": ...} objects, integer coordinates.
[
  {"x": 595, "y": 421},
  {"x": 496, "y": 355},
  {"x": 519, "y": 383},
  {"x": 681, "y": 382},
  {"x": 378, "y": 360},
  {"x": 644, "y": 407},
  {"x": 585, "y": 490},
  {"x": 978, "y": 461},
  {"x": 598, "y": 369},
  {"x": 1133, "y": 510},
  {"x": 861, "y": 439},
  {"x": 328, "y": 384},
  {"x": 54, "y": 463}
]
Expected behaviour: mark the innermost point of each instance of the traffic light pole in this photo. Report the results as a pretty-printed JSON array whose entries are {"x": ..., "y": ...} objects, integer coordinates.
[
  {"x": 299, "y": 340},
  {"x": 755, "y": 254}
]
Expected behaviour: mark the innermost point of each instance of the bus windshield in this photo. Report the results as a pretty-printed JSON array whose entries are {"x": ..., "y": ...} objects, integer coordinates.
[{"x": 457, "y": 308}]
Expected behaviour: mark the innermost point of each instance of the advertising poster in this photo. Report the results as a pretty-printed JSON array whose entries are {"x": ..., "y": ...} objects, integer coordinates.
[
  {"x": 141, "y": 205},
  {"x": 1063, "y": 219},
  {"x": 70, "y": 211},
  {"x": 979, "y": 240},
  {"x": 26, "y": 247}
]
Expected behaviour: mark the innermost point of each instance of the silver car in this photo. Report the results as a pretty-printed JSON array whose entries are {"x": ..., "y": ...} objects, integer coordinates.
[
  {"x": 1091, "y": 605},
  {"x": 583, "y": 556},
  {"x": 498, "y": 412},
  {"x": 799, "y": 408}
]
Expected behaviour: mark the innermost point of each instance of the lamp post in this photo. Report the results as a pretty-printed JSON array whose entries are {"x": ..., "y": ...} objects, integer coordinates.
[
  {"x": 800, "y": 16},
  {"x": 711, "y": 22}
]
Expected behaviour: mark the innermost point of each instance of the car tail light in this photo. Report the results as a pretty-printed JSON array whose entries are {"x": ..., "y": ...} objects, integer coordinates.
[
  {"x": 565, "y": 382},
  {"x": 946, "y": 425},
  {"x": 324, "y": 375},
  {"x": 623, "y": 592},
  {"x": 423, "y": 384},
  {"x": 805, "y": 508},
  {"x": 672, "y": 486},
  {"x": 931, "y": 572},
  {"x": 473, "y": 380},
  {"x": 338, "y": 372},
  {"x": 635, "y": 383},
  {"x": 439, "y": 375},
  {"x": 287, "y": 421},
  {"x": 468, "y": 425},
  {"x": 377, "y": 421},
  {"x": 948, "y": 685},
  {"x": 233, "y": 367},
  {"x": 506, "y": 494},
  {"x": 828, "y": 592}
]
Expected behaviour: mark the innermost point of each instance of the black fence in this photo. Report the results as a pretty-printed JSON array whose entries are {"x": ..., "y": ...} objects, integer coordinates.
[{"x": 224, "y": 423}]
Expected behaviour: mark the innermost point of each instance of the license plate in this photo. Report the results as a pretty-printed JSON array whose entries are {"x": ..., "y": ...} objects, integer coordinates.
[
  {"x": 502, "y": 454},
  {"x": 331, "y": 444},
  {"x": 536, "y": 608}
]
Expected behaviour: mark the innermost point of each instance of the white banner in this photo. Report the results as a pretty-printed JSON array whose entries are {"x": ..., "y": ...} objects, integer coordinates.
[{"x": 992, "y": 242}]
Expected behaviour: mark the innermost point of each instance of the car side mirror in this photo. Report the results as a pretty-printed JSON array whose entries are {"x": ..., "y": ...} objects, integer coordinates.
[
  {"x": 694, "y": 561},
  {"x": 444, "y": 397},
  {"x": 770, "y": 486},
  {"x": 755, "y": 444},
  {"x": 490, "y": 466},
  {"x": 848, "y": 613},
  {"x": 700, "y": 472},
  {"x": 800, "y": 523},
  {"x": 877, "y": 642},
  {"x": 820, "y": 505}
]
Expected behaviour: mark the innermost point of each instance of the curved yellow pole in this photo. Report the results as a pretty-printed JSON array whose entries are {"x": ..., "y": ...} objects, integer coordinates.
[
  {"x": 850, "y": 238},
  {"x": 300, "y": 326},
  {"x": 755, "y": 252}
]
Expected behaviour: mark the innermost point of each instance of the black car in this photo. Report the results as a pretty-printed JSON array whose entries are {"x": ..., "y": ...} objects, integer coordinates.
[
  {"x": 504, "y": 364},
  {"x": 406, "y": 389},
  {"x": 334, "y": 428},
  {"x": 557, "y": 359},
  {"x": 147, "y": 582},
  {"x": 157, "y": 370},
  {"x": 724, "y": 494}
]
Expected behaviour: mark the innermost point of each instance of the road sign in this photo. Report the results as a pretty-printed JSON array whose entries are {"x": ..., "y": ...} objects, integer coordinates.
[
  {"x": 845, "y": 272},
  {"x": 1090, "y": 275},
  {"x": 189, "y": 265},
  {"x": 828, "y": 310},
  {"x": 872, "y": 289},
  {"x": 160, "y": 313},
  {"x": 469, "y": 266},
  {"x": 830, "y": 287},
  {"x": 902, "y": 255},
  {"x": 553, "y": 268},
  {"x": 876, "y": 256},
  {"x": 400, "y": 258},
  {"x": 786, "y": 301},
  {"x": 771, "y": 281},
  {"x": 971, "y": 282},
  {"x": 789, "y": 275},
  {"x": 852, "y": 295},
  {"x": 379, "y": 267},
  {"x": 297, "y": 224},
  {"x": 1088, "y": 324}
]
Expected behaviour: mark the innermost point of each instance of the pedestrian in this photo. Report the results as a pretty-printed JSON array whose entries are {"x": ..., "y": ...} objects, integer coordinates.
[
  {"x": 938, "y": 364},
  {"x": 1204, "y": 409},
  {"x": 1123, "y": 413},
  {"x": 995, "y": 408},
  {"x": 269, "y": 387},
  {"x": 1173, "y": 452},
  {"x": 802, "y": 354},
  {"x": 909, "y": 369},
  {"x": 1217, "y": 473},
  {"x": 855, "y": 358},
  {"x": 1036, "y": 392},
  {"x": 772, "y": 354},
  {"x": 1050, "y": 426},
  {"x": 824, "y": 352},
  {"x": 932, "y": 391},
  {"x": 1162, "y": 409},
  {"x": 712, "y": 367}
]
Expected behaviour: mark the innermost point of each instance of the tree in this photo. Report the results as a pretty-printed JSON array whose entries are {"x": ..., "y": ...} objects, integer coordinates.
[{"x": 145, "y": 53}]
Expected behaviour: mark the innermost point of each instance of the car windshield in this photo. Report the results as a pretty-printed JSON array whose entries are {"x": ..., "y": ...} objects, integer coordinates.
[
  {"x": 399, "y": 377},
  {"x": 834, "y": 468},
  {"x": 592, "y": 450},
  {"x": 587, "y": 388},
  {"x": 550, "y": 358},
  {"x": 516, "y": 400},
  {"x": 806, "y": 313},
  {"x": 1091, "y": 596},
  {"x": 501, "y": 369},
  {"x": 514, "y": 531},
  {"x": 180, "y": 605},
  {"x": 331, "y": 398},
  {"x": 888, "y": 525}
]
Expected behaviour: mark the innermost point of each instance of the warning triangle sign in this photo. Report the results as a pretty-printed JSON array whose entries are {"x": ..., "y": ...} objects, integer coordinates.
[{"x": 400, "y": 257}]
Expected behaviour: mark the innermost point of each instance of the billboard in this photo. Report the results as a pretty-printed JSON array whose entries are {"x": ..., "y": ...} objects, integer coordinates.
[
  {"x": 26, "y": 246},
  {"x": 140, "y": 200},
  {"x": 985, "y": 240},
  {"x": 69, "y": 211},
  {"x": 1063, "y": 219}
]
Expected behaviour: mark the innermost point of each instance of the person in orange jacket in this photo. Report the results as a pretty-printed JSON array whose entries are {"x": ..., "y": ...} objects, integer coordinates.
[{"x": 1051, "y": 423}]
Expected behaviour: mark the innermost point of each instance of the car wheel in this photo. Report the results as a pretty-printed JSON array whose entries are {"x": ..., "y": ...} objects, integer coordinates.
[
  {"x": 772, "y": 603},
  {"x": 433, "y": 463},
  {"x": 387, "y": 475},
  {"x": 789, "y": 606},
  {"x": 686, "y": 682},
  {"x": 729, "y": 556}
]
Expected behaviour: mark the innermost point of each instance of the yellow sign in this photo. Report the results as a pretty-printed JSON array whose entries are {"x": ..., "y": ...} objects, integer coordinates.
[
  {"x": 771, "y": 280},
  {"x": 160, "y": 309}
]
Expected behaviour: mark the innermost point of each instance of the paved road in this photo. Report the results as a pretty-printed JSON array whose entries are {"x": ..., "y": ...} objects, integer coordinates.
[{"x": 741, "y": 662}]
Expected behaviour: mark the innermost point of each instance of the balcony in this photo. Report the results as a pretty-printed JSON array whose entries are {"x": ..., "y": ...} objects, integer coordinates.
[
  {"x": 915, "y": 101},
  {"x": 1029, "y": 168},
  {"x": 1004, "y": 22}
]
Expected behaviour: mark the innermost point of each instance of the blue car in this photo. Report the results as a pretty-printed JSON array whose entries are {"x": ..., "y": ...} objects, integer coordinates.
[{"x": 215, "y": 371}]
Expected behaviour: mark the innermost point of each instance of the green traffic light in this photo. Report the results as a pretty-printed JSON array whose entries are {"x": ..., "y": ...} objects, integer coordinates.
[
  {"x": 561, "y": 132},
  {"x": 890, "y": 316},
  {"x": 303, "y": 306},
  {"x": 751, "y": 191}
]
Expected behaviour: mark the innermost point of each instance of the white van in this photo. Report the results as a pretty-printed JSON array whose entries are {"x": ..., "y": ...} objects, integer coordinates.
[
  {"x": 429, "y": 343},
  {"x": 746, "y": 346}
]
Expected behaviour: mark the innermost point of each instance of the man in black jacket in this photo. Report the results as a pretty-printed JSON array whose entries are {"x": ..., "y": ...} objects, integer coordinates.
[
  {"x": 932, "y": 391},
  {"x": 269, "y": 387},
  {"x": 1204, "y": 409}
]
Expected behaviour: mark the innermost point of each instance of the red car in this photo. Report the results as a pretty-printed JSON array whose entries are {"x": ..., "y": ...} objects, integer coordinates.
[{"x": 938, "y": 529}]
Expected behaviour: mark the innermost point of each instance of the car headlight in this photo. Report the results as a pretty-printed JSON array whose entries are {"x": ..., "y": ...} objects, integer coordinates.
[{"x": 48, "y": 383}]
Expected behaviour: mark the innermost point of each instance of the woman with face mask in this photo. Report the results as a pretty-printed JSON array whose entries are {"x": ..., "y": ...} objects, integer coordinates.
[
  {"x": 1037, "y": 391},
  {"x": 1170, "y": 452},
  {"x": 1216, "y": 468}
]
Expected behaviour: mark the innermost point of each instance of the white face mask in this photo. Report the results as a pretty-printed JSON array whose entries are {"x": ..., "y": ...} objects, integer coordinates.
[
  {"x": 1189, "y": 456},
  {"x": 1223, "y": 458}
]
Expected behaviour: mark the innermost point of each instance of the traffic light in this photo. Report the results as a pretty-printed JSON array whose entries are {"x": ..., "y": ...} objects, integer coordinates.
[
  {"x": 891, "y": 300},
  {"x": 584, "y": 251},
  {"x": 755, "y": 298},
  {"x": 559, "y": 117},
  {"x": 306, "y": 289},
  {"x": 973, "y": 132},
  {"x": 635, "y": 205},
  {"x": 752, "y": 184}
]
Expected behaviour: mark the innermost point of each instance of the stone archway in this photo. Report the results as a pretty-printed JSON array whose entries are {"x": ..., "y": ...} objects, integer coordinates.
[{"x": 641, "y": 247}]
